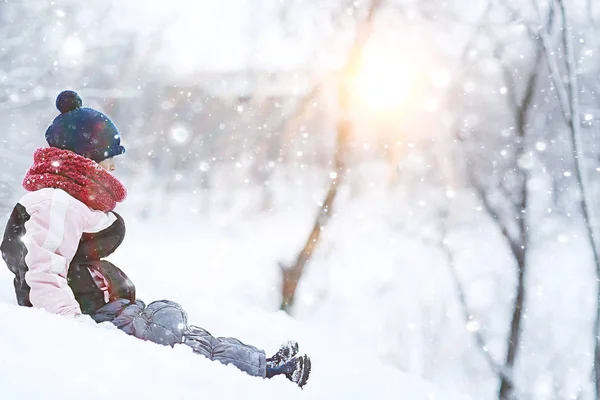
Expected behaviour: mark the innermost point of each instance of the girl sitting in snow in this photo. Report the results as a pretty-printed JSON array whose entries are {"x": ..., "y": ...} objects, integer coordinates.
[{"x": 59, "y": 233}]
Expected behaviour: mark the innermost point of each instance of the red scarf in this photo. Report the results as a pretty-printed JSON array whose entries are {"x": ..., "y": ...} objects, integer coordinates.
[{"x": 81, "y": 177}]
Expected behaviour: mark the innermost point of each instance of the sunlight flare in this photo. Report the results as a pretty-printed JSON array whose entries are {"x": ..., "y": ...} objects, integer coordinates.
[{"x": 387, "y": 76}]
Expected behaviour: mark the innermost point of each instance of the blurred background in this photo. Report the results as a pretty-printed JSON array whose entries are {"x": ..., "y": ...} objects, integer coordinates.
[{"x": 418, "y": 176}]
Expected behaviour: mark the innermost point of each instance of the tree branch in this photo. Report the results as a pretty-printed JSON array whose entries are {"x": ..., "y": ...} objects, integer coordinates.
[
  {"x": 576, "y": 140},
  {"x": 541, "y": 35},
  {"x": 467, "y": 314},
  {"x": 293, "y": 274}
]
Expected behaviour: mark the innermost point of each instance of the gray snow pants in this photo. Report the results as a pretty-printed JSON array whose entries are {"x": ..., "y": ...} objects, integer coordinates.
[{"x": 165, "y": 322}]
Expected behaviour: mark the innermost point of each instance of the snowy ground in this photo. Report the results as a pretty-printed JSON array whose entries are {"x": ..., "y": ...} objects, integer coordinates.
[
  {"x": 225, "y": 275},
  {"x": 376, "y": 310},
  {"x": 49, "y": 357}
]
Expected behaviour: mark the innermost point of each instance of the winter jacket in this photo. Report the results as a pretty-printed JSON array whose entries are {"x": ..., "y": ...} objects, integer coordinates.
[
  {"x": 40, "y": 241},
  {"x": 55, "y": 245}
]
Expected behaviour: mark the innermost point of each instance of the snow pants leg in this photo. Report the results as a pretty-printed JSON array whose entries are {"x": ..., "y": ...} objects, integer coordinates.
[{"x": 165, "y": 322}]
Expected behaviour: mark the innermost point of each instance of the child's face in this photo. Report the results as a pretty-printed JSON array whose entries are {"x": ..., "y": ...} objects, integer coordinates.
[{"x": 108, "y": 164}]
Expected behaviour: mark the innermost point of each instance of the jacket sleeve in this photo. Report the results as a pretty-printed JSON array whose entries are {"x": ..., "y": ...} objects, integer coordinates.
[{"x": 52, "y": 236}]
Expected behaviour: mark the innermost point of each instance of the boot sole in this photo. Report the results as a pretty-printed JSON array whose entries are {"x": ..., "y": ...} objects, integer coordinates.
[{"x": 304, "y": 371}]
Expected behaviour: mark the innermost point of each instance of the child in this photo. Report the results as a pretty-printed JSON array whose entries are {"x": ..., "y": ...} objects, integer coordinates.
[{"x": 59, "y": 233}]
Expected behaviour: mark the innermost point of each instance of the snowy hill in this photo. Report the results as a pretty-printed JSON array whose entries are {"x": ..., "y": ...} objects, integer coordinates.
[
  {"x": 225, "y": 278},
  {"x": 49, "y": 357}
]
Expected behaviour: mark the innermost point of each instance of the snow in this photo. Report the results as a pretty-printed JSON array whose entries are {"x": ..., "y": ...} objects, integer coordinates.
[
  {"x": 221, "y": 276},
  {"x": 376, "y": 310},
  {"x": 202, "y": 92},
  {"x": 51, "y": 357}
]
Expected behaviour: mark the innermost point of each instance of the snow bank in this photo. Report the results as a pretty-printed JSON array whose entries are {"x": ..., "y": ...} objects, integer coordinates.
[
  {"x": 51, "y": 357},
  {"x": 225, "y": 275}
]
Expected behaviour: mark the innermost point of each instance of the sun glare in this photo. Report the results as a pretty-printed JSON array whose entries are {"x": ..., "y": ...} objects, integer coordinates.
[{"x": 387, "y": 76}]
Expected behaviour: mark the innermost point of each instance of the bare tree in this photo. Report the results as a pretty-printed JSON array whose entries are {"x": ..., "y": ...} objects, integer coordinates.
[
  {"x": 568, "y": 93},
  {"x": 519, "y": 242},
  {"x": 293, "y": 273},
  {"x": 506, "y": 201}
]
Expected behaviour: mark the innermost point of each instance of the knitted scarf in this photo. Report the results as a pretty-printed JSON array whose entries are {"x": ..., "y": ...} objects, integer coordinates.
[{"x": 80, "y": 177}]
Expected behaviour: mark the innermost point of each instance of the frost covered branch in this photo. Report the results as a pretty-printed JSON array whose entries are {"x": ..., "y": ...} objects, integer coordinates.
[
  {"x": 582, "y": 180},
  {"x": 517, "y": 239},
  {"x": 498, "y": 369},
  {"x": 541, "y": 34}
]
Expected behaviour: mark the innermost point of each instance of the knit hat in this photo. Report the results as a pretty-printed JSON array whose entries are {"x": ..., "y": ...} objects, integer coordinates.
[{"x": 83, "y": 130}]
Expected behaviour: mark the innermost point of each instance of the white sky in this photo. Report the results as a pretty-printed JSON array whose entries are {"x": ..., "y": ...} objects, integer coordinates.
[{"x": 228, "y": 34}]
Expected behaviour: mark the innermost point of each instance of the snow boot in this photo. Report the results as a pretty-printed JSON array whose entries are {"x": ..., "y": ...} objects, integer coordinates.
[
  {"x": 286, "y": 352},
  {"x": 296, "y": 370}
]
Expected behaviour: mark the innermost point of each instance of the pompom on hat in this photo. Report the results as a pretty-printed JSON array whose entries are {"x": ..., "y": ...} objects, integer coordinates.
[{"x": 83, "y": 130}]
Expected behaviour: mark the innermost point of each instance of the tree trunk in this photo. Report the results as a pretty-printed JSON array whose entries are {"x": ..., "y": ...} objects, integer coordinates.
[
  {"x": 292, "y": 274},
  {"x": 506, "y": 387},
  {"x": 575, "y": 127},
  {"x": 519, "y": 248}
]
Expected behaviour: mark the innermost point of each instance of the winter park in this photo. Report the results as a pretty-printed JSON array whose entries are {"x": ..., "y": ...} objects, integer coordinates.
[{"x": 300, "y": 199}]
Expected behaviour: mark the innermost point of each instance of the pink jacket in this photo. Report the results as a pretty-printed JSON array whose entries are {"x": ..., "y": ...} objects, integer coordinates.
[{"x": 54, "y": 229}]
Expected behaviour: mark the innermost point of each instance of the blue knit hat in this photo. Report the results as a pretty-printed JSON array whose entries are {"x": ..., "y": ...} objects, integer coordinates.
[{"x": 83, "y": 130}]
